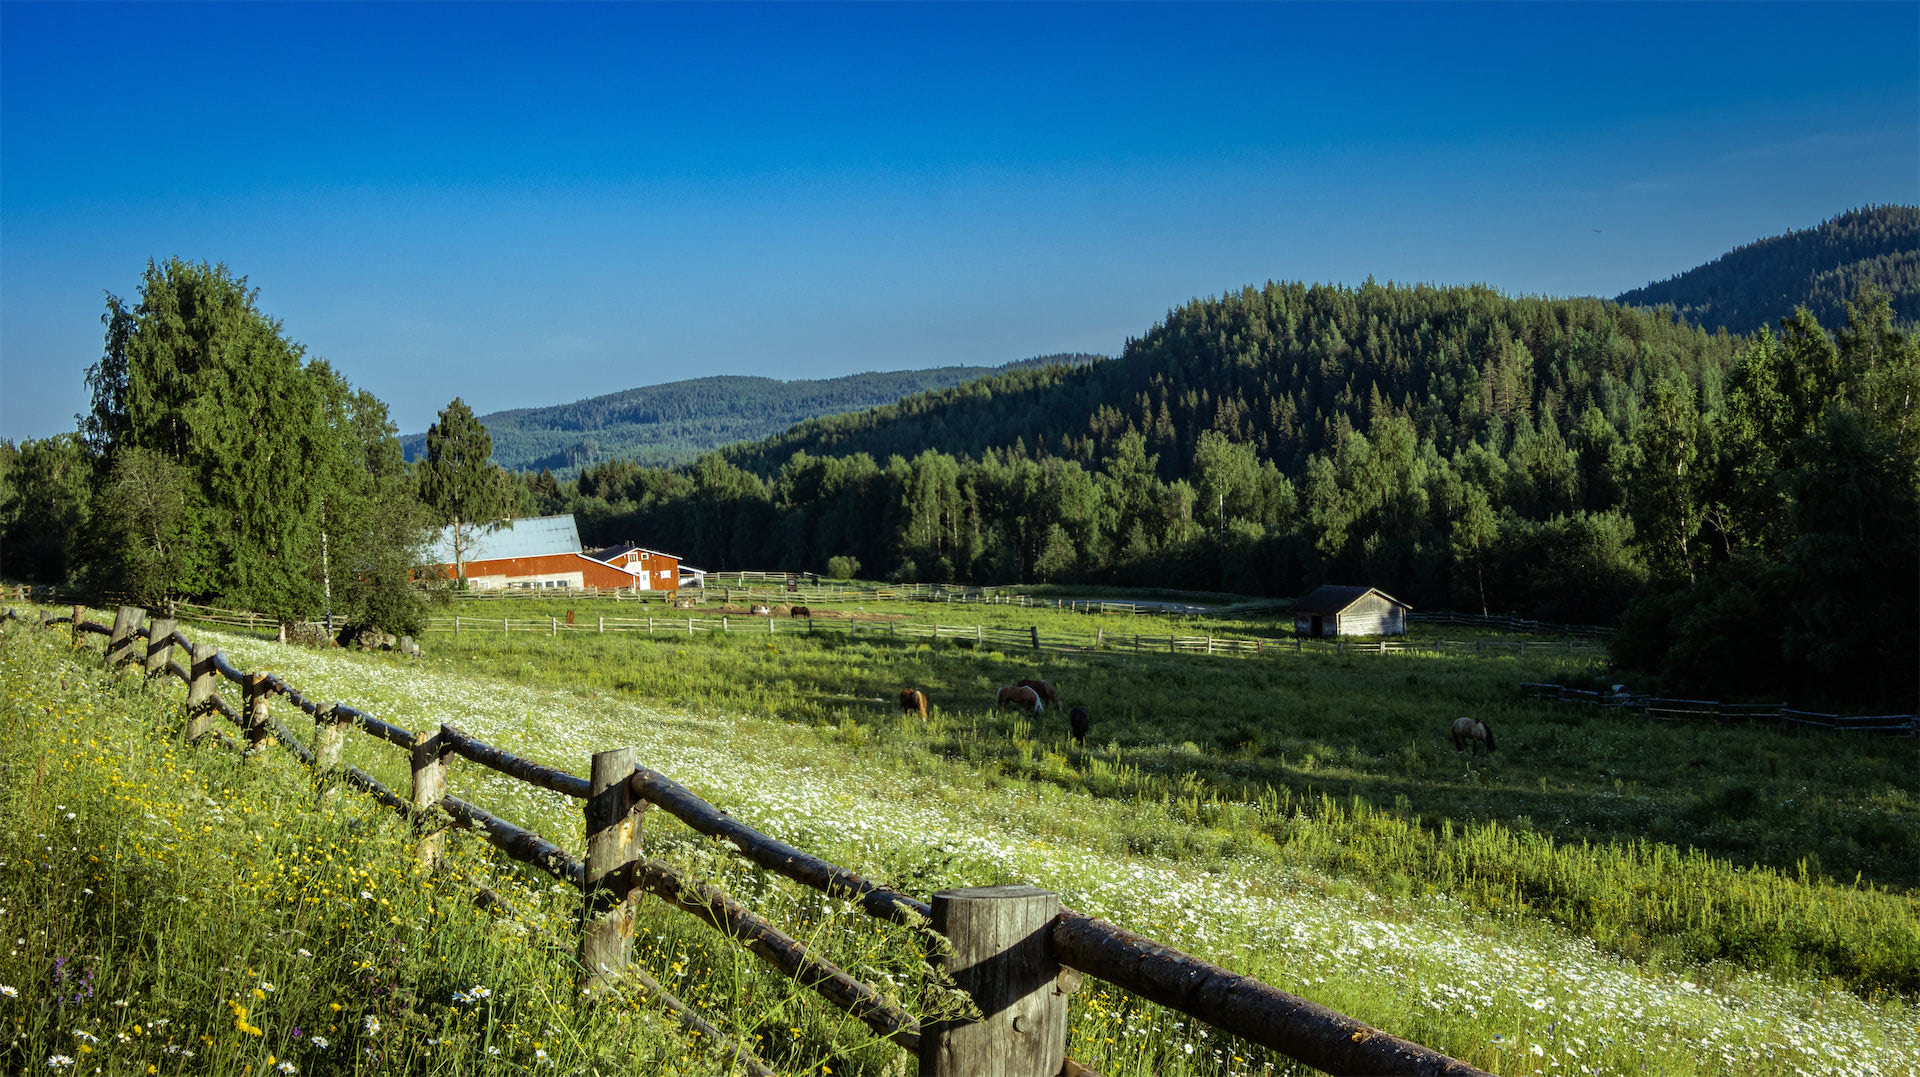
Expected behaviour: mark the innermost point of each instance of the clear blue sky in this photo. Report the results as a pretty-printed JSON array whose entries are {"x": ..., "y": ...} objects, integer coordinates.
[{"x": 526, "y": 205}]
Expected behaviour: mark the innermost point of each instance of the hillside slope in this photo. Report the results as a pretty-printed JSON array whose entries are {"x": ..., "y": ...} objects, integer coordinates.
[
  {"x": 1819, "y": 268},
  {"x": 1289, "y": 369},
  {"x": 672, "y": 423}
]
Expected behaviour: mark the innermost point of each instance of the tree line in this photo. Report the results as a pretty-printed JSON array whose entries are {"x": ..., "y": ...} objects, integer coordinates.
[{"x": 1744, "y": 507}]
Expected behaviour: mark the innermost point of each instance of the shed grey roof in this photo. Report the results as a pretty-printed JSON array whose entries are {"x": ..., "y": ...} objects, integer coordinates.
[
  {"x": 1333, "y": 598},
  {"x": 519, "y": 538}
]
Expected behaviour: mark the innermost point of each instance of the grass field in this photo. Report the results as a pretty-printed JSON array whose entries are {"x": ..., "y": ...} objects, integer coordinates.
[{"x": 1302, "y": 819}]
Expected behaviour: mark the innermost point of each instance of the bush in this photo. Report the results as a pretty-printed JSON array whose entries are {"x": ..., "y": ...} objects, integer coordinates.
[{"x": 842, "y": 567}]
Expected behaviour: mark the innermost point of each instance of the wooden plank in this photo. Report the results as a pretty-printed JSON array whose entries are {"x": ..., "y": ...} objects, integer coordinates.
[
  {"x": 120, "y": 643},
  {"x": 613, "y": 844},
  {"x": 1306, "y": 1031},
  {"x": 775, "y": 855},
  {"x": 160, "y": 644},
  {"x": 470, "y": 747},
  {"x": 1001, "y": 955},
  {"x": 429, "y": 788},
  {"x": 790, "y": 956}
]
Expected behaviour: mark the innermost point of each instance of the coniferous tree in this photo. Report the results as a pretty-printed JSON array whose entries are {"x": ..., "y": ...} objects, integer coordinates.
[{"x": 459, "y": 482}]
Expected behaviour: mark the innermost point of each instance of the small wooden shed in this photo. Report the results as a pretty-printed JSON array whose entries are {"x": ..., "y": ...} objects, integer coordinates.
[{"x": 1332, "y": 610}]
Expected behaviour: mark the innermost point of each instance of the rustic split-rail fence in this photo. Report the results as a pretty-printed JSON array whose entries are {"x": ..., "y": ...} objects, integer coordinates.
[{"x": 1014, "y": 950}]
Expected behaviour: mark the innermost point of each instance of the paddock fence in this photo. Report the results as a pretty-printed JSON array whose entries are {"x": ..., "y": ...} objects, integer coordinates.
[
  {"x": 1674, "y": 710},
  {"x": 1015, "y": 950},
  {"x": 839, "y": 623}
]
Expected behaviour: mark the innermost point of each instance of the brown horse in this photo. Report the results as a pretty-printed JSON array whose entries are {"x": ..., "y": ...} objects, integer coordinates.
[
  {"x": 1018, "y": 695},
  {"x": 801, "y": 611},
  {"x": 1080, "y": 721},
  {"x": 1471, "y": 731},
  {"x": 1044, "y": 691},
  {"x": 913, "y": 700}
]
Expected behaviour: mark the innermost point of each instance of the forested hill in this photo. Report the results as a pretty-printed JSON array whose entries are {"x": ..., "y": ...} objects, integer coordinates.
[
  {"x": 675, "y": 422},
  {"x": 1289, "y": 369},
  {"x": 1819, "y": 268}
]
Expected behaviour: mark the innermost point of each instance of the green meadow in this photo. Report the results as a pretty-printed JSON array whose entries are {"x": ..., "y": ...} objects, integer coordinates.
[{"x": 1602, "y": 894}]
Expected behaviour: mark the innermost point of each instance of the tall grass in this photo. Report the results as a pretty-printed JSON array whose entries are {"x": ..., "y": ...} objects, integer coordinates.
[
  {"x": 1143, "y": 833},
  {"x": 1660, "y": 842}
]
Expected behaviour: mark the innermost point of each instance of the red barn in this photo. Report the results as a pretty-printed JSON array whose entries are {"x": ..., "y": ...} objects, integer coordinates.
[{"x": 544, "y": 552}]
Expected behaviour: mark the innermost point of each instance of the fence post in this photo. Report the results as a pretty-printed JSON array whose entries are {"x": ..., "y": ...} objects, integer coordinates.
[
  {"x": 200, "y": 690},
  {"x": 456, "y": 624},
  {"x": 613, "y": 843},
  {"x": 429, "y": 788},
  {"x": 1035, "y": 629},
  {"x": 79, "y": 614},
  {"x": 256, "y": 712},
  {"x": 330, "y": 735},
  {"x": 126, "y": 622},
  {"x": 160, "y": 644},
  {"x": 603, "y": 624},
  {"x": 1002, "y": 956},
  {"x": 1099, "y": 636}
]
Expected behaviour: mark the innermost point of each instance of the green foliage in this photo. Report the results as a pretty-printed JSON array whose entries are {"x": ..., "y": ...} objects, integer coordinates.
[
  {"x": 459, "y": 482},
  {"x": 45, "y": 501},
  {"x": 842, "y": 568},
  {"x": 1819, "y": 268},
  {"x": 216, "y": 445}
]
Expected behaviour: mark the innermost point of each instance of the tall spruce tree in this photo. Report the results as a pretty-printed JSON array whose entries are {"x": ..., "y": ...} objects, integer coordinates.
[
  {"x": 210, "y": 425},
  {"x": 459, "y": 481}
]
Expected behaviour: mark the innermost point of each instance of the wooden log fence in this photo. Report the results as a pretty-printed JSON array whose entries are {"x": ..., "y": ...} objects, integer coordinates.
[
  {"x": 1673, "y": 710},
  {"x": 1014, "y": 950}
]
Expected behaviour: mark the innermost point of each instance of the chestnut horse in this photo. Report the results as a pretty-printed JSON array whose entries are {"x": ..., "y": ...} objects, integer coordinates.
[
  {"x": 1044, "y": 691},
  {"x": 913, "y": 700},
  {"x": 1081, "y": 721},
  {"x": 1018, "y": 695},
  {"x": 800, "y": 611},
  {"x": 1470, "y": 731}
]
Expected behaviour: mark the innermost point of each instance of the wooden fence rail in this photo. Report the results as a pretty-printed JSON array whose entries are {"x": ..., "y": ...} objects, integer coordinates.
[
  {"x": 992, "y": 936},
  {"x": 1669, "y": 710}
]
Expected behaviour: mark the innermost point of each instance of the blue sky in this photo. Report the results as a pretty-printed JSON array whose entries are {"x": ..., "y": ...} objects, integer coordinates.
[{"x": 529, "y": 204}]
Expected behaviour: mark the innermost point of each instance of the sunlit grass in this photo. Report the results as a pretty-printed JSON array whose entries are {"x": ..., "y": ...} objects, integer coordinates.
[{"x": 1136, "y": 830}]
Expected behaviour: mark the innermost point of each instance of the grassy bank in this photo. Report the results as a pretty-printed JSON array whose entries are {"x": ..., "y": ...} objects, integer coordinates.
[{"x": 1154, "y": 850}]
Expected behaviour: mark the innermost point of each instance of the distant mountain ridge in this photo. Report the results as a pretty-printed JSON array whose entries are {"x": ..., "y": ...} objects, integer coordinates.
[
  {"x": 675, "y": 422},
  {"x": 1819, "y": 268}
]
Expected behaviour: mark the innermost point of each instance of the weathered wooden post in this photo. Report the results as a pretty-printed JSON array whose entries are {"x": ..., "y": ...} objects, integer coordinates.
[
  {"x": 1002, "y": 956},
  {"x": 200, "y": 686},
  {"x": 1099, "y": 636},
  {"x": 257, "y": 694},
  {"x": 429, "y": 788},
  {"x": 1035, "y": 630},
  {"x": 79, "y": 614},
  {"x": 160, "y": 644},
  {"x": 126, "y": 625},
  {"x": 613, "y": 843},
  {"x": 330, "y": 736}
]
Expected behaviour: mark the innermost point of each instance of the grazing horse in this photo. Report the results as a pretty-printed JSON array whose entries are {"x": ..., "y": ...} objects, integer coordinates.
[
  {"x": 1472, "y": 731},
  {"x": 801, "y": 611},
  {"x": 1044, "y": 691},
  {"x": 1080, "y": 721},
  {"x": 913, "y": 700},
  {"x": 1018, "y": 695}
]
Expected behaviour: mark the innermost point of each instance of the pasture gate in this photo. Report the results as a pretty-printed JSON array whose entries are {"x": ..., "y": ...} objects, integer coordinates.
[{"x": 1014, "y": 950}]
